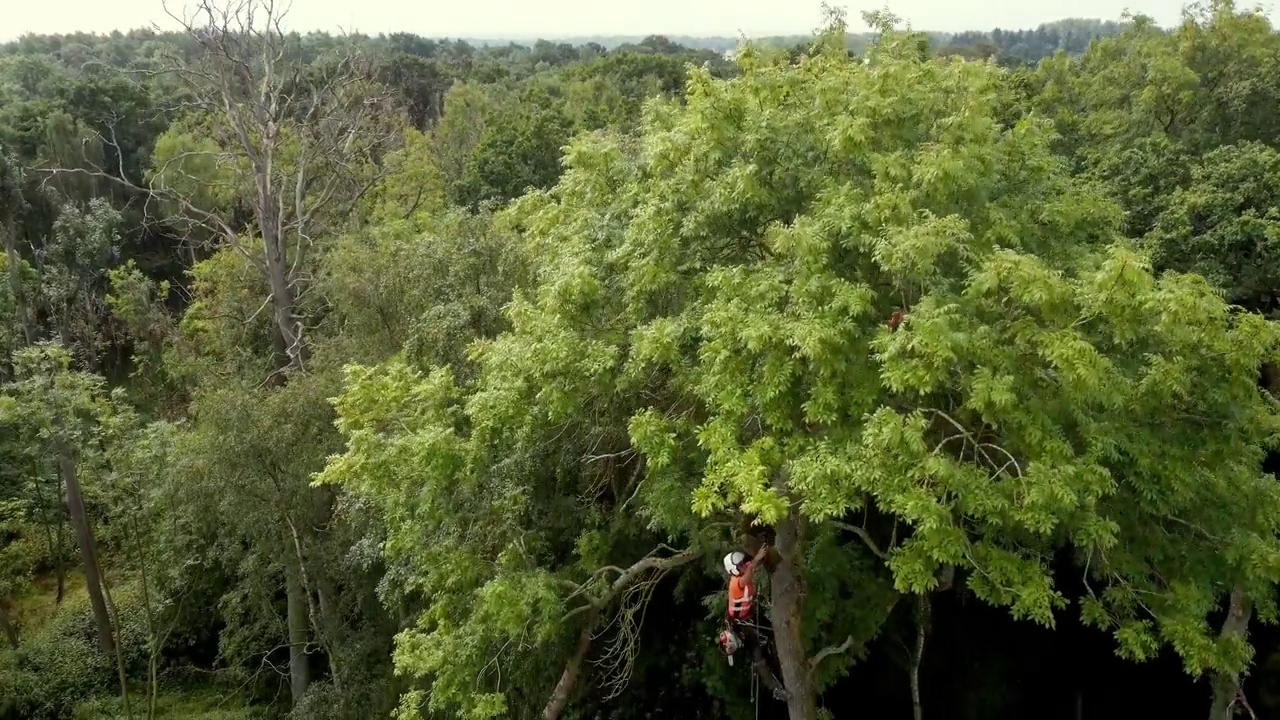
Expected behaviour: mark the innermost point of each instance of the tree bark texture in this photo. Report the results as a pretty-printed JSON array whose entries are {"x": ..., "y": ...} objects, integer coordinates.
[
  {"x": 787, "y": 594},
  {"x": 298, "y": 621},
  {"x": 572, "y": 670},
  {"x": 283, "y": 294},
  {"x": 922, "y": 628},
  {"x": 1226, "y": 687}
]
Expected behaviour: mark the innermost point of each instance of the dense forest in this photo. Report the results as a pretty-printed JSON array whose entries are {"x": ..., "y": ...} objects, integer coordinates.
[
  {"x": 1014, "y": 46},
  {"x": 397, "y": 377}
]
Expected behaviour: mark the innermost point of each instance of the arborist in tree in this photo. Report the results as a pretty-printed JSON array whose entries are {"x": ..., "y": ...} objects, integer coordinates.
[{"x": 744, "y": 629}]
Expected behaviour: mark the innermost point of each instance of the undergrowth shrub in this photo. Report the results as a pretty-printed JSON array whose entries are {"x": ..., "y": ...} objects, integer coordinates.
[{"x": 59, "y": 665}]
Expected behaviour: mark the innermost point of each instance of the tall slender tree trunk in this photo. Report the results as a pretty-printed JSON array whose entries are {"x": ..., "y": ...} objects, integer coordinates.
[
  {"x": 1226, "y": 687},
  {"x": 326, "y": 626},
  {"x": 59, "y": 565},
  {"x": 787, "y": 594},
  {"x": 298, "y": 621},
  {"x": 53, "y": 534},
  {"x": 88, "y": 549},
  {"x": 917, "y": 656},
  {"x": 572, "y": 669},
  {"x": 283, "y": 293},
  {"x": 319, "y": 628},
  {"x": 120, "y": 669},
  {"x": 153, "y": 638}
]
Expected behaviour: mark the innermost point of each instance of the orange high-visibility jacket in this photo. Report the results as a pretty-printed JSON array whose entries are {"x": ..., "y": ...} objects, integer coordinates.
[{"x": 741, "y": 598}]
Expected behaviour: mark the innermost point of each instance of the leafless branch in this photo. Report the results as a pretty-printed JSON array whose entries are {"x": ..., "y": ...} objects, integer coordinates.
[
  {"x": 620, "y": 454},
  {"x": 866, "y": 538},
  {"x": 827, "y": 652},
  {"x": 619, "y": 655},
  {"x": 1244, "y": 702},
  {"x": 627, "y": 577},
  {"x": 980, "y": 447},
  {"x": 635, "y": 585}
]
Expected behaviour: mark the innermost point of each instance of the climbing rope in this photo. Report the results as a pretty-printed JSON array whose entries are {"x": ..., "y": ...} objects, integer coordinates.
[{"x": 755, "y": 691}]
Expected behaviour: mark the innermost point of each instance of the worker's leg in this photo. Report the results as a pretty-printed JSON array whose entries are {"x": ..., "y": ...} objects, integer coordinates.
[{"x": 766, "y": 675}]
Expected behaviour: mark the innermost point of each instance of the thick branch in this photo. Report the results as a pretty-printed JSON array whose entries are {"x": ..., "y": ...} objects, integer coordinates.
[
  {"x": 827, "y": 652},
  {"x": 626, "y": 579},
  {"x": 1227, "y": 687},
  {"x": 629, "y": 576},
  {"x": 569, "y": 678},
  {"x": 866, "y": 538}
]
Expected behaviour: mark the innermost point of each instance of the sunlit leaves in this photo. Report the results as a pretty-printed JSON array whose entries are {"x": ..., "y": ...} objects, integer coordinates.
[
  {"x": 710, "y": 301},
  {"x": 764, "y": 250}
]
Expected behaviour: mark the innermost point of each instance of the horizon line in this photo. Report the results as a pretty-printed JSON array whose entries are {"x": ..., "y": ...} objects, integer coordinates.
[{"x": 562, "y": 37}]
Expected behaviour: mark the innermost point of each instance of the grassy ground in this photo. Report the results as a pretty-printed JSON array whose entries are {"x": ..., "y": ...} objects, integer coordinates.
[
  {"x": 194, "y": 705},
  {"x": 36, "y": 607},
  {"x": 42, "y": 623}
]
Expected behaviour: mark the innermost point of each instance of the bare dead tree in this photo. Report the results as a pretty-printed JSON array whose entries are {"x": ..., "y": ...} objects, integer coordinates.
[
  {"x": 301, "y": 142},
  {"x": 277, "y": 152},
  {"x": 309, "y": 134}
]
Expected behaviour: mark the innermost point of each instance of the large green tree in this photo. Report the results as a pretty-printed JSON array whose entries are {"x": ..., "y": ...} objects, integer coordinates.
[
  {"x": 720, "y": 287},
  {"x": 1138, "y": 108}
]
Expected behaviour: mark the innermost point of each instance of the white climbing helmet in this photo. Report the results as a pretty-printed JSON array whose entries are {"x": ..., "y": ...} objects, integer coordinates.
[{"x": 732, "y": 561}]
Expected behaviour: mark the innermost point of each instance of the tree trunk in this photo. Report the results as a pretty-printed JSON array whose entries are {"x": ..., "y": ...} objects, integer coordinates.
[
  {"x": 326, "y": 628},
  {"x": 1226, "y": 687},
  {"x": 572, "y": 669},
  {"x": 787, "y": 593},
  {"x": 315, "y": 617},
  {"x": 88, "y": 549},
  {"x": 59, "y": 566},
  {"x": 298, "y": 621},
  {"x": 283, "y": 293},
  {"x": 120, "y": 669},
  {"x": 10, "y": 632},
  {"x": 53, "y": 534},
  {"x": 153, "y": 638},
  {"x": 922, "y": 626}
]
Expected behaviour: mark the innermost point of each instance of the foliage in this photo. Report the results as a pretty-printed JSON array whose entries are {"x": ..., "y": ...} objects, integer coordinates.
[
  {"x": 1224, "y": 224},
  {"x": 443, "y": 280},
  {"x": 60, "y": 665},
  {"x": 439, "y": 389}
]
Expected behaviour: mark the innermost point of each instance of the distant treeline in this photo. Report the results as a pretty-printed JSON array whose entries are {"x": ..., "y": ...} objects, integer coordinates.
[
  {"x": 1008, "y": 46},
  {"x": 1072, "y": 35}
]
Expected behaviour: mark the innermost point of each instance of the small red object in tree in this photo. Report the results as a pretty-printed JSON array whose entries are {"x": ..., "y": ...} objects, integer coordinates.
[{"x": 896, "y": 319}]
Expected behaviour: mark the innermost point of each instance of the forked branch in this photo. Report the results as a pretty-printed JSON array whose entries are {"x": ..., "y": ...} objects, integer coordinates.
[{"x": 635, "y": 585}]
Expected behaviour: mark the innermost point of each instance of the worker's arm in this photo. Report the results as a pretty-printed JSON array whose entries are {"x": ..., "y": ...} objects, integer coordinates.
[{"x": 749, "y": 573}]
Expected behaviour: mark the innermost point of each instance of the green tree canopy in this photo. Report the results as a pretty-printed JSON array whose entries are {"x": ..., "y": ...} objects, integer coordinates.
[{"x": 720, "y": 287}]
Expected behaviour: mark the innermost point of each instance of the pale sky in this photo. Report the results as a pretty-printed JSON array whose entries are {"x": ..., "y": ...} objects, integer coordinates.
[{"x": 552, "y": 18}]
